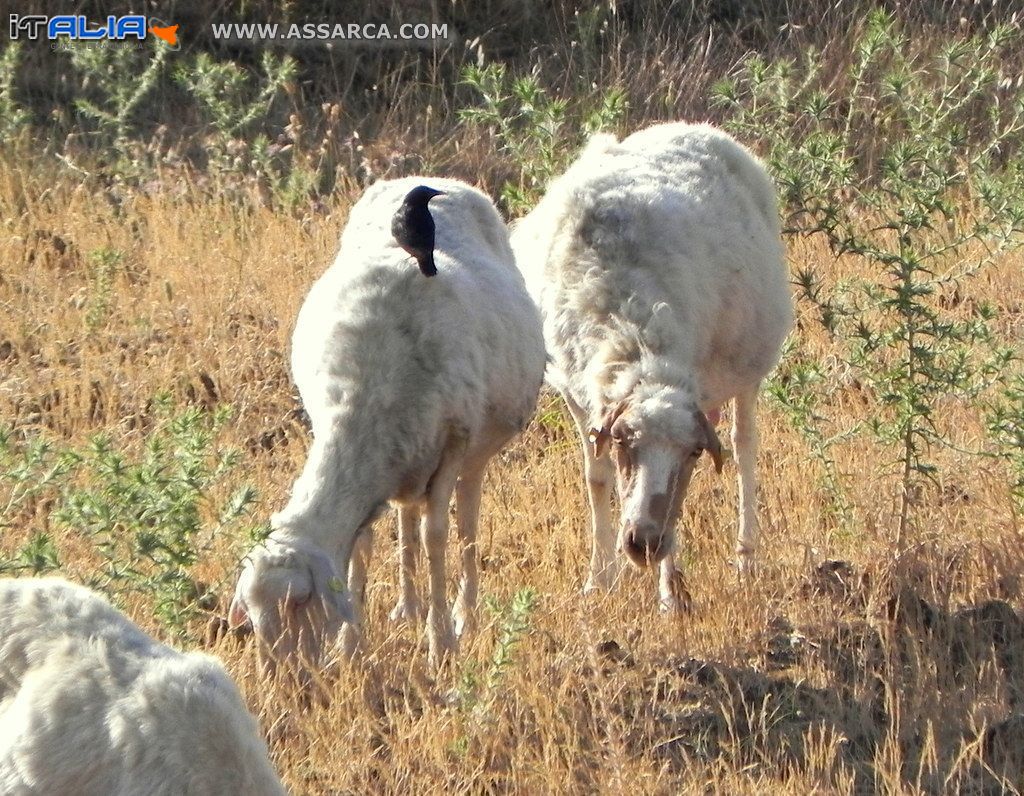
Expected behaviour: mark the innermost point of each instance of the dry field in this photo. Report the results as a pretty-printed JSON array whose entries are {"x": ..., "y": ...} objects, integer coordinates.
[{"x": 841, "y": 667}]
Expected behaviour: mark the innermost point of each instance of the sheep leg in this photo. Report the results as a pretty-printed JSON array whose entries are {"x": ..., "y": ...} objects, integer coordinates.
[
  {"x": 599, "y": 474},
  {"x": 673, "y": 596},
  {"x": 604, "y": 566},
  {"x": 440, "y": 635},
  {"x": 744, "y": 443},
  {"x": 408, "y": 607},
  {"x": 467, "y": 500},
  {"x": 351, "y": 634}
]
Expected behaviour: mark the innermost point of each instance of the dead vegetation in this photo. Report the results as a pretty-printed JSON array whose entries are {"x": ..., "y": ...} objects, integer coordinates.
[
  {"x": 841, "y": 667},
  {"x": 844, "y": 666}
]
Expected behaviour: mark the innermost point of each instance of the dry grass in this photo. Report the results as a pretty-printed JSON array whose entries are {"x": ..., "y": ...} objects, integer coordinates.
[{"x": 878, "y": 674}]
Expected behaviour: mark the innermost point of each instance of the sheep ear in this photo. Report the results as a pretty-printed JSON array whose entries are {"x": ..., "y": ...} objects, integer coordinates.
[
  {"x": 238, "y": 614},
  {"x": 712, "y": 444},
  {"x": 599, "y": 440},
  {"x": 331, "y": 590},
  {"x": 599, "y": 436}
]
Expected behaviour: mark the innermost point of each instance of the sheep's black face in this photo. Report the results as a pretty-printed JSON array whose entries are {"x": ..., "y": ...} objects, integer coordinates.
[{"x": 295, "y": 601}]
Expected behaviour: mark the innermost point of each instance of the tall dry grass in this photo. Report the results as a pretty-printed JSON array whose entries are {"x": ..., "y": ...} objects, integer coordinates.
[{"x": 838, "y": 668}]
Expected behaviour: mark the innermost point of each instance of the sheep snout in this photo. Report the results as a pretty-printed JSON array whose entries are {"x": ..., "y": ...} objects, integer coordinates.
[{"x": 645, "y": 542}]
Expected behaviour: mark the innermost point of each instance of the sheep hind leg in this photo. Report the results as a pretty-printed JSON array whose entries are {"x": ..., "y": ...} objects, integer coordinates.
[
  {"x": 408, "y": 608},
  {"x": 467, "y": 499},
  {"x": 440, "y": 634},
  {"x": 744, "y": 443},
  {"x": 599, "y": 473},
  {"x": 351, "y": 634}
]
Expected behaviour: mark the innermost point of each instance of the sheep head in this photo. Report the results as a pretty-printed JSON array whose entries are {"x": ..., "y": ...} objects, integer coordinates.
[
  {"x": 655, "y": 439},
  {"x": 293, "y": 595}
]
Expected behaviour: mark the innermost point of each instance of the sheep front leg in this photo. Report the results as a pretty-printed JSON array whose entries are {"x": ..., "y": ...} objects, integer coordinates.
[
  {"x": 467, "y": 500},
  {"x": 408, "y": 607},
  {"x": 440, "y": 634},
  {"x": 352, "y": 634},
  {"x": 604, "y": 566},
  {"x": 744, "y": 443},
  {"x": 673, "y": 596},
  {"x": 600, "y": 474}
]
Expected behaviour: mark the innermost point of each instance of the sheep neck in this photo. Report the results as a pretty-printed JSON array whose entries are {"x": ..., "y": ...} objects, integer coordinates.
[{"x": 339, "y": 489}]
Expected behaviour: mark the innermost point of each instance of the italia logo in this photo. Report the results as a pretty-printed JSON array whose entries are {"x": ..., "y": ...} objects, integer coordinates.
[{"x": 78, "y": 27}]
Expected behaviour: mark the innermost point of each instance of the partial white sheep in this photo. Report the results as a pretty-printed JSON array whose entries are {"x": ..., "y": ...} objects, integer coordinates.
[
  {"x": 89, "y": 704},
  {"x": 412, "y": 384},
  {"x": 659, "y": 268}
]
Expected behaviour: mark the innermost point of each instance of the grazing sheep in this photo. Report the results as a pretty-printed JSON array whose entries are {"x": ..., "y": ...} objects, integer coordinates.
[
  {"x": 658, "y": 266},
  {"x": 411, "y": 385},
  {"x": 89, "y": 704}
]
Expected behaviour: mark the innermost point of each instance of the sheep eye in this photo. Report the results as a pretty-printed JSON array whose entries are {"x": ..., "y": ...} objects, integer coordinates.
[
  {"x": 697, "y": 453},
  {"x": 623, "y": 456}
]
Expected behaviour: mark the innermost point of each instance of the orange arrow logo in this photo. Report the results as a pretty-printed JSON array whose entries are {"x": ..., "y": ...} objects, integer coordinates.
[{"x": 168, "y": 34}]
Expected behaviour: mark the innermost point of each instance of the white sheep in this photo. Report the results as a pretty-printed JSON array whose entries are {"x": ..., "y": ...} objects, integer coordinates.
[
  {"x": 659, "y": 269},
  {"x": 411, "y": 384},
  {"x": 91, "y": 705}
]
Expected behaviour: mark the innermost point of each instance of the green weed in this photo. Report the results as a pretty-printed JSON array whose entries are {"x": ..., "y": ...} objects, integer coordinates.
[
  {"x": 537, "y": 131},
  {"x": 148, "y": 515},
  {"x": 928, "y": 201}
]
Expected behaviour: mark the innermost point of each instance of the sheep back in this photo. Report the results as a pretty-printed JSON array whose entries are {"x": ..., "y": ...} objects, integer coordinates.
[
  {"x": 665, "y": 245},
  {"x": 413, "y": 355}
]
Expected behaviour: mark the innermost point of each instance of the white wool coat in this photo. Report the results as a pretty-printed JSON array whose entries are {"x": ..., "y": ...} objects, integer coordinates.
[
  {"x": 387, "y": 361},
  {"x": 658, "y": 260},
  {"x": 92, "y": 706}
]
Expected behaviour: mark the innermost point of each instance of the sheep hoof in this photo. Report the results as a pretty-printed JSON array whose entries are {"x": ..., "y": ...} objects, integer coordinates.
[
  {"x": 441, "y": 636},
  {"x": 351, "y": 642},
  {"x": 464, "y": 621},
  {"x": 603, "y": 581},
  {"x": 406, "y": 611},
  {"x": 674, "y": 598},
  {"x": 442, "y": 650},
  {"x": 745, "y": 563}
]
